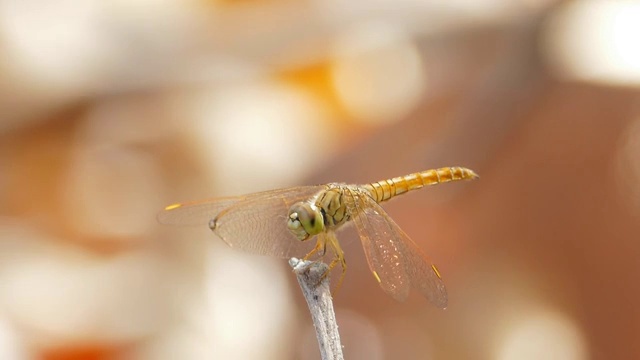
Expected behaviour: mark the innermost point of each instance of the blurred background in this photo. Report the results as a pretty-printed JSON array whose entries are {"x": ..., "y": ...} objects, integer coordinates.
[{"x": 110, "y": 110}]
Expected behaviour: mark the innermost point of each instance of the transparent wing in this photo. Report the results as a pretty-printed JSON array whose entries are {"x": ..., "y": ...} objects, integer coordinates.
[
  {"x": 396, "y": 259},
  {"x": 423, "y": 273},
  {"x": 258, "y": 223},
  {"x": 201, "y": 212},
  {"x": 195, "y": 212},
  {"x": 383, "y": 254}
]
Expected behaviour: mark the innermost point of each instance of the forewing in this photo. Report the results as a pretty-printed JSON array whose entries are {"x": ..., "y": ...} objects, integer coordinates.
[
  {"x": 383, "y": 240},
  {"x": 258, "y": 224},
  {"x": 195, "y": 212},
  {"x": 201, "y": 212},
  {"x": 383, "y": 251}
]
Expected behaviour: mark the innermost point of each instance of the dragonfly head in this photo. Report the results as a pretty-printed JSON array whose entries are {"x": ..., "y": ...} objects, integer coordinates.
[{"x": 305, "y": 220}]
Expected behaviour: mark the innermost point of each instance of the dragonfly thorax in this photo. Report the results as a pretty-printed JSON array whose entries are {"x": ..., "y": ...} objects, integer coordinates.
[
  {"x": 305, "y": 220},
  {"x": 332, "y": 204}
]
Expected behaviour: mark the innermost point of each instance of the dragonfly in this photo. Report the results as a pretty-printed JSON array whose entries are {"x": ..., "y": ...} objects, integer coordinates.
[{"x": 282, "y": 222}]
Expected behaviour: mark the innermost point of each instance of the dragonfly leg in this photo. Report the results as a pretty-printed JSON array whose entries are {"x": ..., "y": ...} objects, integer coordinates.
[
  {"x": 324, "y": 248},
  {"x": 338, "y": 259},
  {"x": 343, "y": 265},
  {"x": 320, "y": 244}
]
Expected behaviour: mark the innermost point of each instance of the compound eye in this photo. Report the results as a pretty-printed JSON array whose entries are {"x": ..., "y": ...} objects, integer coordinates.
[{"x": 305, "y": 220}]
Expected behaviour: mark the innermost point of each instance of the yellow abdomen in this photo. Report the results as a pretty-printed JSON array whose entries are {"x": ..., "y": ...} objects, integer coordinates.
[{"x": 386, "y": 189}]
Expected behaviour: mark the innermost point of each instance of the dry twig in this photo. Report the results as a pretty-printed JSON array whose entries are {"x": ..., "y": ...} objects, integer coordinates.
[{"x": 317, "y": 292}]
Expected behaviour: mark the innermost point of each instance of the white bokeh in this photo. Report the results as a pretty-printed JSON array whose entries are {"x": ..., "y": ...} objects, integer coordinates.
[
  {"x": 595, "y": 41},
  {"x": 542, "y": 334}
]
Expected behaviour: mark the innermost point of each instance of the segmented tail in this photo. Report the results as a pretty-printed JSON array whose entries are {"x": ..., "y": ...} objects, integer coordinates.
[{"x": 386, "y": 189}]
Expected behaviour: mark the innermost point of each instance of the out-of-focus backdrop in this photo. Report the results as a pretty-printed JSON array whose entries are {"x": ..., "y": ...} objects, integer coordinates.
[{"x": 109, "y": 110}]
